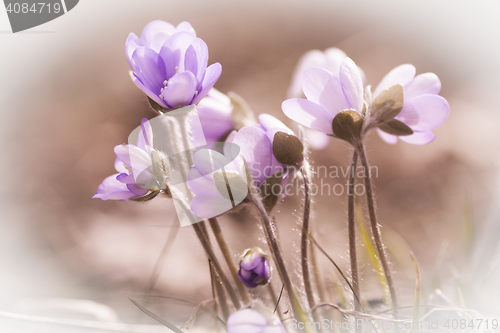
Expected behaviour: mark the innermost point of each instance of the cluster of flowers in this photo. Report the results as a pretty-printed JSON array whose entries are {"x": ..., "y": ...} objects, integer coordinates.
[{"x": 169, "y": 64}]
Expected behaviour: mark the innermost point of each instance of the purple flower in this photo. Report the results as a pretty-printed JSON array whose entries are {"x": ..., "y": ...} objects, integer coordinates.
[
  {"x": 254, "y": 268},
  {"x": 209, "y": 178},
  {"x": 423, "y": 108},
  {"x": 256, "y": 144},
  {"x": 169, "y": 64},
  {"x": 330, "y": 59},
  {"x": 208, "y": 182},
  {"x": 140, "y": 169},
  {"x": 327, "y": 94},
  {"x": 252, "y": 321},
  {"x": 215, "y": 112}
]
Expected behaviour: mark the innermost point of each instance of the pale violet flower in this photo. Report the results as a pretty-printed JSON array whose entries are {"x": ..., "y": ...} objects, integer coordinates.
[
  {"x": 215, "y": 113},
  {"x": 140, "y": 167},
  {"x": 169, "y": 64},
  {"x": 329, "y": 59},
  {"x": 218, "y": 182},
  {"x": 252, "y": 321},
  {"x": 423, "y": 109},
  {"x": 212, "y": 169},
  {"x": 327, "y": 94},
  {"x": 256, "y": 144}
]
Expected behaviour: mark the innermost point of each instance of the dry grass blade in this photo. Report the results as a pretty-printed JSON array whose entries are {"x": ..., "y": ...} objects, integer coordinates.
[
  {"x": 340, "y": 271},
  {"x": 155, "y": 317},
  {"x": 416, "y": 299}
]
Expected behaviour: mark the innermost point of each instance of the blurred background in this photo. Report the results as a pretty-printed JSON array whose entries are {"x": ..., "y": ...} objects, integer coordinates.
[{"x": 67, "y": 99}]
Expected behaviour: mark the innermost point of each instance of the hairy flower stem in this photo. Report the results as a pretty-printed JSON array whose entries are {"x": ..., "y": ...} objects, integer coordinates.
[
  {"x": 214, "y": 224},
  {"x": 352, "y": 230},
  {"x": 304, "y": 240},
  {"x": 374, "y": 225},
  {"x": 215, "y": 262},
  {"x": 273, "y": 243},
  {"x": 219, "y": 290}
]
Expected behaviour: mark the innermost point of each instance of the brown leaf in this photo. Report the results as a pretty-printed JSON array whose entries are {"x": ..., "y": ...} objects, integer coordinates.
[
  {"x": 388, "y": 103},
  {"x": 347, "y": 125},
  {"x": 268, "y": 190},
  {"x": 288, "y": 149},
  {"x": 395, "y": 127}
]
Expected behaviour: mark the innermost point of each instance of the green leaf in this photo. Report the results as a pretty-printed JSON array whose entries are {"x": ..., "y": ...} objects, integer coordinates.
[
  {"x": 372, "y": 251},
  {"x": 347, "y": 125},
  {"x": 395, "y": 127},
  {"x": 288, "y": 149},
  {"x": 388, "y": 103},
  {"x": 155, "y": 317}
]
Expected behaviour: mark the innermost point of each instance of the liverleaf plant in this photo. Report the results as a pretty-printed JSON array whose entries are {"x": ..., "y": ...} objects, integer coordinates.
[{"x": 234, "y": 161}]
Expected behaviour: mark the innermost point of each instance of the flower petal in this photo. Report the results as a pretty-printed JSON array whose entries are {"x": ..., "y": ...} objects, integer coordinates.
[
  {"x": 197, "y": 183},
  {"x": 138, "y": 191},
  {"x": 250, "y": 261},
  {"x": 207, "y": 161},
  {"x": 424, "y": 112},
  {"x": 352, "y": 84},
  {"x": 173, "y": 52},
  {"x": 197, "y": 58},
  {"x": 256, "y": 149},
  {"x": 154, "y": 96},
  {"x": 149, "y": 68},
  {"x": 159, "y": 40},
  {"x": 145, "y": 138},
  {"x": 246, "y": 317},
  {"x": 402, "y": 74},
  {"x": 215, "y": 115},
  {"x": 309, "y": 114},
  {"x": 427, "y": 83},
  {"x": 185, "y": 26},
  {"x": 210, "y": 204},
  {"x": 112, "y": 189},
  {"x": 419, "y": 138},
  {"x": 269, "y": 122},
  {"x": 312, "y": 58},
  {"x": 313, "y": 83},
  {"x": 133, "y": 157},
  {"x": 132, "y": 43},
  {"x": 212, "y": 74},
  {"x": 120, "y": 167},
  {"x": 180, "y": 90},
  {"x": 317, "y": 140},
  {"x": 333, "y": 98},
  {"x": 334, "y": 58},
  {"x": 389, "y": 138},
  {"x": 154, "y": 28}
]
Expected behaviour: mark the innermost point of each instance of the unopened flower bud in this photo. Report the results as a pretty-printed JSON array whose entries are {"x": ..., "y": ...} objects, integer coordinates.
[{"x": 254, "y": 268}]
